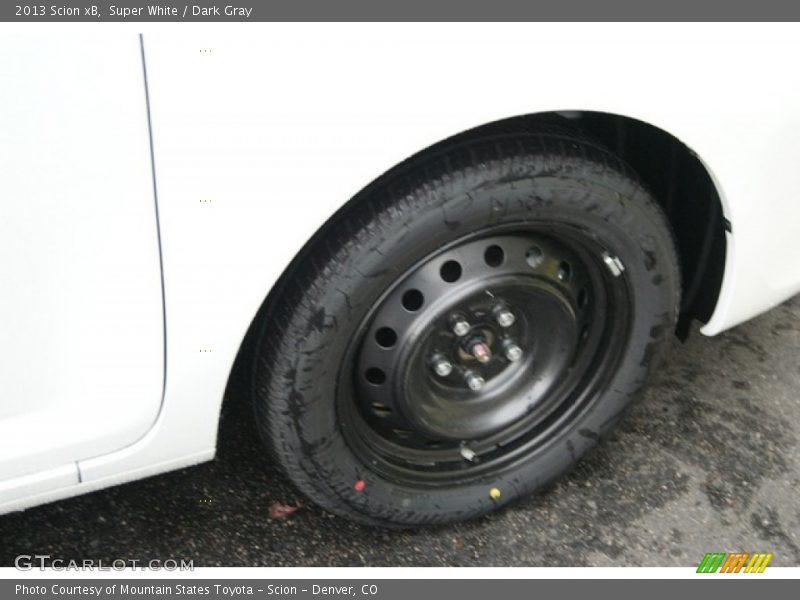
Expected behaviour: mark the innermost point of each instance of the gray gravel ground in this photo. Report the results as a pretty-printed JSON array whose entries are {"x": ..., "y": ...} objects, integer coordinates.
[{"x": 708, "y": 460}]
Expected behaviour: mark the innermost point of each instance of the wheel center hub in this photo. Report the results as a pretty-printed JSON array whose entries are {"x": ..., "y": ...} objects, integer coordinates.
[
  {"x": 488, "y": 366},
  {"x": 480, "y": 351}
]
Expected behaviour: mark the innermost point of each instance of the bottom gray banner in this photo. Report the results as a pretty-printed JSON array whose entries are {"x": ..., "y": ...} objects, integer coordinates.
[{"x": 396, "y": 589}]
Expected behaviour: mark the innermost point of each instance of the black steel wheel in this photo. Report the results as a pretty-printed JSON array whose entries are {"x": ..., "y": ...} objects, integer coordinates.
[
  {"x": 465, "y": 329},
  {"x": 466, "y": 360}
]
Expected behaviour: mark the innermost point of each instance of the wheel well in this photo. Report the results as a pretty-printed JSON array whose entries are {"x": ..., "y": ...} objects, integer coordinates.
[
  {"x": 682, "y": 185},
  {"x": 672, "y": 172}
]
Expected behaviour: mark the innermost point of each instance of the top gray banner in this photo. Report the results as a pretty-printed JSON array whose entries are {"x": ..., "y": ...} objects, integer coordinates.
[{"x": 400, "y": 10}]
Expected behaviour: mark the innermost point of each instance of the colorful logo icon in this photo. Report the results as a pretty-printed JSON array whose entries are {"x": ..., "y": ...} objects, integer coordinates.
[{"x": 735, "y": 562}]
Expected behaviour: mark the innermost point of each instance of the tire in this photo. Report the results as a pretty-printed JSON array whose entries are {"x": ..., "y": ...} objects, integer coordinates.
[{"x": 588, "y": 271}]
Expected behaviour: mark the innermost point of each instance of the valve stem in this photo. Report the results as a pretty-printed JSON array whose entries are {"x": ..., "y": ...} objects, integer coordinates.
[{"x": 467, "y": 453}]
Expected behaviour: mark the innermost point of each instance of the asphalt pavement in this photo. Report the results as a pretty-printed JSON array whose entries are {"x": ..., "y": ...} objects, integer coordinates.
[{"x": 707, "y": 461}]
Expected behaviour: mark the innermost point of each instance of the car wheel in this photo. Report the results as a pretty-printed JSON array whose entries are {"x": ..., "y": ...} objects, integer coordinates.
[{"x": 465, "y": 329}]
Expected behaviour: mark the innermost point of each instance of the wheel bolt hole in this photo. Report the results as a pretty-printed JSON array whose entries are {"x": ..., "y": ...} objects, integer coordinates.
[
  {"x": 564, "y": 271},
  {"x": 534, "y": 256},
  {"x": 375, "y": 376},
  {"x": 386, "y": 337},
  {"x": 413, "y": 300},
  {"x": 494, "y": 256},
  {"x": 583, "y": 297},
  {"x": 381, "y": 410},
  {"x": 450, "y": 271}
]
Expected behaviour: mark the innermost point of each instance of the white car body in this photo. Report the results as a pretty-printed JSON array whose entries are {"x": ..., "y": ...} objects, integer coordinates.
[{"x": 120, "y": 323}]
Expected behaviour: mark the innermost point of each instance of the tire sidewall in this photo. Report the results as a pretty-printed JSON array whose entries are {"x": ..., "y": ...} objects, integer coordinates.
[{"x": 612, "y": 210}]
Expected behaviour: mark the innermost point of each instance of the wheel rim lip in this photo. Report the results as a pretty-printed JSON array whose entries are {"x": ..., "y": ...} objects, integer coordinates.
[{"x": 437, "y": 465}]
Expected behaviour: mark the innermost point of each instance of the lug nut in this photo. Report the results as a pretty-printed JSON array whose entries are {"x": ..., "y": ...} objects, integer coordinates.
[
  {"x": 442, "y": 367},
  {"x": 460, "y": 326},
  {"x": 481, "y": 352},
  {"x": 504, "y": 317},
  {"x": 474, "y": 381},
  {"x": 513, "y": 352}
]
